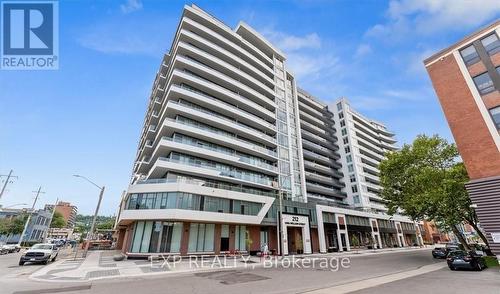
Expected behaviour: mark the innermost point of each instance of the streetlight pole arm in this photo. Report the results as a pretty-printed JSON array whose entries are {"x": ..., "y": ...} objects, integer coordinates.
[{"x": 88, "y": 180}]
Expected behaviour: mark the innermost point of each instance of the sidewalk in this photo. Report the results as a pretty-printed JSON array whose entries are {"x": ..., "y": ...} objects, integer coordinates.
[{"x": 100, "y": 265}]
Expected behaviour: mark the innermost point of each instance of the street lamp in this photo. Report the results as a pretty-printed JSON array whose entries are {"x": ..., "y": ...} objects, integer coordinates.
[{"x": 91, "y": 232}]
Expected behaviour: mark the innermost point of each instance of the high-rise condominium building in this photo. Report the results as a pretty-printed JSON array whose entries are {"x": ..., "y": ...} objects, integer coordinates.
[
  {"x": 363, "y": 144},
  {"x": 466, "y": 78},
  {"x": 67, "y": 210},
  {"x": 231, "y": 157}
]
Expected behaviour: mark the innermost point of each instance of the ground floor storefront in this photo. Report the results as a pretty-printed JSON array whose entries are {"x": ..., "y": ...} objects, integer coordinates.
[
  {"x": 332, "y": 229},
  {"x": 185, "y": 238}
]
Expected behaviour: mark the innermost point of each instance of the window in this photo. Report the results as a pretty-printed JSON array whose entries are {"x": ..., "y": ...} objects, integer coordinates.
[
  {"x": 201, "y": 237},
  {"x": 356, "y": 199},
  {"x": 240, "y": 233},
  {"x": 350, "y": 168},
  {"x": 345, "y": 140},
  {"x": 279, "y": 63},
  {"x": 469, "y": 54},
  {"x": 342, "y": 123},
  {"x": 349, "y": 158},
  {"x": 354, "y": 189},
  {"x": 484, "y": 83},
  {"x": 339, "y": 106},
  {"x": 283, "y": 140},
  {"x": 352, "y": 178},
  {"x": 495, "y": 114},
  {"x": 344, "y": 132},
  {"x": 347, "y": 149},
  {"x": 281, "y": 115},
  {"x": 491, "y": 44},
  {"x": 341, "y": 115}
]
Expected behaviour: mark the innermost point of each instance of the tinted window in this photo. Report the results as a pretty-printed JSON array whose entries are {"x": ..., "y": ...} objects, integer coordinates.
[
  {"x": 469, "y": 54},
  {"x": 491, "y": 44},
  {"x": 484, "y": 83},
  {"x": 495, "y": 114},
  {"x": 457, "y": 253}
]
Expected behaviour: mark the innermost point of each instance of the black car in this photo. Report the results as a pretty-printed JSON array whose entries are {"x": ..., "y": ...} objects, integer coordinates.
[
  {"x": 440, "y": 252},
  {"x": 460, "y": 259}
]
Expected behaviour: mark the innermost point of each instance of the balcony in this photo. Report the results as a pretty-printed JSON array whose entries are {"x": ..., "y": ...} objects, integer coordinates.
[
  {"x": 225, "y": 108},
  {"x": 223, "y": 93},
  {"x": 206, "y": 184},
  {"x": 224, "y": 67},
  {"x": 210, "y": 134},
  {"x": 209, "y": 34},
  {"x": 318, "y": 140},
  {"x": 225, "y": 81},
  {"x": 219, "y": 154},
  {"x": 311, "y": 119},
  {"x": 316, "y": 157},
  {"x": 317, "y": 148},
  {"x": 216, "y": 120},
  {"x": 201, "y": 169},
  {"x": 220, "y": 52},
  {"x": 322, "y": 190},
  {"x": 321, "y": 168}
]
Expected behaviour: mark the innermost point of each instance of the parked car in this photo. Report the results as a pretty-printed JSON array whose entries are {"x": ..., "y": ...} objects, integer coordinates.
[
  {"x": 11, "y": 248},
  {"x": 440, "y": 252},
  {"x": 40, "y": 253},
  {"x": 3, "y": 250},
  {"x": 460, "y": 259}
]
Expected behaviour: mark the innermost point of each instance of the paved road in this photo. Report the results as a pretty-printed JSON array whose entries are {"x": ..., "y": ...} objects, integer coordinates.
[{"x": 276, "y": 280}]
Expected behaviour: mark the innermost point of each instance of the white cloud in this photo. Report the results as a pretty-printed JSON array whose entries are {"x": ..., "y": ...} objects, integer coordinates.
[
  {"x": 131, "y": 6},
  {"x": 406, "y": 17},
  {"x": 289, "y": 43},
  {"x": 311, "y": 65},
  {"x": 362, "y": 50}
]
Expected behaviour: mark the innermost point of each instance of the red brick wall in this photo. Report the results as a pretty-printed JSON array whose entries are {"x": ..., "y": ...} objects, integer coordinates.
[
  {"x": 254, "y": 234},
  {"x": 185, "y": 238},
  {"x": 314, "y": 240},
  {"x": 474, "y": 141}
]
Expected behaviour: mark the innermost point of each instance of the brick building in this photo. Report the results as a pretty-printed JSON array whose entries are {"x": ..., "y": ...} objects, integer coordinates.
[{"x": 466, "y": 78}]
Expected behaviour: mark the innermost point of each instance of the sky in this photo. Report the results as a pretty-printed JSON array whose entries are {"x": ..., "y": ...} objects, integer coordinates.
[{"x": 86, "y": 117}]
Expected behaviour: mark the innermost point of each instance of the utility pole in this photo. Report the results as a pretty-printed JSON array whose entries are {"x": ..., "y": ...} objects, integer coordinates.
[
  {"x": 50, "y": 222},
  {"x": 6, "y": 182},
  {"x": 38, "y": 192}
]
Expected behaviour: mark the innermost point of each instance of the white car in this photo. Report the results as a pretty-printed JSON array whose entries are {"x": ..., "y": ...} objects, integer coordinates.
[
  {"x": 10, "y": 248},
  {"x": 40, "y": 253}
]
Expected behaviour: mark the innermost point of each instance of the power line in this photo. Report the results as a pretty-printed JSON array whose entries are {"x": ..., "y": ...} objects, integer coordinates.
[{"x": 9, "y": 176}]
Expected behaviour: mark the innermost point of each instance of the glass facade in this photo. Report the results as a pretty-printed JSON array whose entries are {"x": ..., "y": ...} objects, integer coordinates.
[
  {"x": 156, "y": 237},
  {"x": 201, "y": 237},
  {"x": 188, "y": 201}
]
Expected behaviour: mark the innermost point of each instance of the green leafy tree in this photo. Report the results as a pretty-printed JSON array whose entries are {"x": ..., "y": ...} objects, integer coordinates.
[
  {"x": 425, "y": 180},
  {"x": 107, "y": 225},
  {"x": 12, "y": 226},
  {"x": 58, "y": 220}
]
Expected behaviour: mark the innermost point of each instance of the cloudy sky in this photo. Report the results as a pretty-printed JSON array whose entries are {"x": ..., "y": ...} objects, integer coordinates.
[{"x": 86, "y": 117}]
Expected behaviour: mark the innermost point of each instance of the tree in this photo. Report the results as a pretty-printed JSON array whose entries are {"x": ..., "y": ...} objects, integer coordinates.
[
  {"x": 108, "y": 225},
  {"x": 58, "y": 221},
  {"x": 12, "y": 226},
  {"x": 425, "y": 180}
]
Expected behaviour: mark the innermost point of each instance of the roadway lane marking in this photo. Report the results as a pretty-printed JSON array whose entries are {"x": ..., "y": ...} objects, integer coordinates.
[{"x": 377, "y": 281}]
